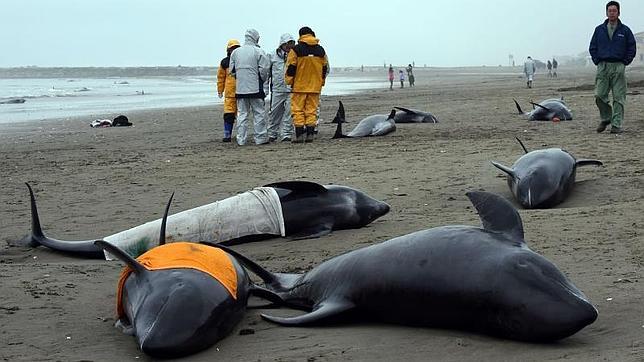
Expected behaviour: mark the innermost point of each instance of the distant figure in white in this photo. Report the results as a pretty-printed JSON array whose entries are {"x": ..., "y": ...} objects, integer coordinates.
[
  {"x": 250, "y": 66},
  {"x": 529, "y": 69}
]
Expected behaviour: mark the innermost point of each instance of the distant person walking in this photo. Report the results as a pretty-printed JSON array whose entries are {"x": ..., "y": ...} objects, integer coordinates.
[
  {"x": 307, "y": 68},
  {"x": 280, "y": 122},
  {"x": 549, "y": 65},
  {"x": 529, "y": 69},
  {"x": 226, "y": 88},
  {"x": 410, "y": 75},
  {"x": 391, "y": 77},
  {"x": 612, "y": 48},
  {"x": 250, "y": 66},
  {"x": 554, "y": 67},
  {"x": 401, "y": 76}
]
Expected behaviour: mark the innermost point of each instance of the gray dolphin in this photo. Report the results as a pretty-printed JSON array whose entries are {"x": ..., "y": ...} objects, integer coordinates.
[
  {"x": 547, "y": 110},
  {"x": 414, "y": 116},
  {"x": 485, "y": 280},
  {"x": 175, "y": 311},
  {"x": 543, "y": 178},
  {"x": 376, "y": 125},
  {"x": 309, "y": 210}
]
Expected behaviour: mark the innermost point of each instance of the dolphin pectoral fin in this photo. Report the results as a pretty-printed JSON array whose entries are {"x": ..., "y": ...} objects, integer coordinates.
[
  {"x": 405, "y": 110},
  {"x": 315, "y": 231},
  {"x": 497, "y": 214},
  {"x": 392, "y": 114},
  {"x": 137, "y": 267},
  {"x": 522, "y": 145},
  {"x": 339, "y": 115},
  {"x": 324, "y": 311},
  {"x": 505, "y": 169},
  {"x": 124, "y": 326},
  {"x": 266, "y": 276},
  {"x": 540, "y": 106},
  {"x": 588, "y": 162},
  {"x": 518, "y": 106},
  {"x": 298, "y": 186},
  {"x": 269, "y": 295}
]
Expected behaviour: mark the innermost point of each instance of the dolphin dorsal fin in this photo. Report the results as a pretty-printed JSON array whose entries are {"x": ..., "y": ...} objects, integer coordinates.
[
  {"x": 497, "y": 214},
  {"x": 392, "y": 114},
  {"x": 406, "y": 110},
  {"x": 164, "y": 221},
  {"x": 522, "y": 145},
  {"x": 299, "y": 186},
  {"x": 137, "y": 267},
  {"x": 505, "y": 169}
]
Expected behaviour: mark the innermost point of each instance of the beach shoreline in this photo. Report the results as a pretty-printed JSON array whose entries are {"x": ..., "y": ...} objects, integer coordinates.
[{"x": 90, "y": 183}]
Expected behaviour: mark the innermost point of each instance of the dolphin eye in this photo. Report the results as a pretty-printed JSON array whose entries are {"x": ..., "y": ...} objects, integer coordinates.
[{"x": 522, "y": 264}]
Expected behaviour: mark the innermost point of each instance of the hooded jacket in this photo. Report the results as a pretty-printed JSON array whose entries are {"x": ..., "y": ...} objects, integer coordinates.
[
  {"x": 307, "y": 66},
  {"x": 225, "y": 82},
  {"x": 250, "y": 66},
  {"x": 278, "y": 66},
  {"x": 621, "y": 48}
]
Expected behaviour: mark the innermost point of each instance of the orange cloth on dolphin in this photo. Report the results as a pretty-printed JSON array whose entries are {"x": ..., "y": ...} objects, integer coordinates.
[{"x": 207, "y": 259}]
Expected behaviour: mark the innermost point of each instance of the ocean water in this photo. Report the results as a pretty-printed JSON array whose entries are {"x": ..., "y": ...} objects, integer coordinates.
[{"x": 61, "y": 98}]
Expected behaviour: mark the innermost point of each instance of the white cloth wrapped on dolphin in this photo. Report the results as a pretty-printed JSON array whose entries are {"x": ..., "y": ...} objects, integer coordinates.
[{"x": 257, "y": 211}]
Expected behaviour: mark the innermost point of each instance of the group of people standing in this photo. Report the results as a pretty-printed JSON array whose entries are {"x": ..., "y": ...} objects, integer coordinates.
[
  {"x": 293, "y": 73},
  {"x": 401, "y": 76},
  {"x": 530, "y": 68}
]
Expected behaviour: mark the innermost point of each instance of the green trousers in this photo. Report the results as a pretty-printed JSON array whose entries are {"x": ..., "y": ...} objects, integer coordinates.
[{"x": 611, "y": 77}]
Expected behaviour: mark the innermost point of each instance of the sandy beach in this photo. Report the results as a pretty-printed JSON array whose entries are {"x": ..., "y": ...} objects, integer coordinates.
[{"x": 91, "y": 183}]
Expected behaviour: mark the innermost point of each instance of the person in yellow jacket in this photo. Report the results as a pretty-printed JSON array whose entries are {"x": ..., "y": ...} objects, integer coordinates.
[
  {"x": 306, "y": 69},
  {"x": 226, "y": 88}
]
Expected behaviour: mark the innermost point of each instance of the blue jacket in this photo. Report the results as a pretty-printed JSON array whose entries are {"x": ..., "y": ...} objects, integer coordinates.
[{"x": 621, "y": 48}]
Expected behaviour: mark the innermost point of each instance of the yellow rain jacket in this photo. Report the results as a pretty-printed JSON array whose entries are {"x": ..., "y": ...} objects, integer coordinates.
[
  {"x": 226, "y": 83},
  {"x": 207, "y": 259},
  {"x": 306, "y": 66}
]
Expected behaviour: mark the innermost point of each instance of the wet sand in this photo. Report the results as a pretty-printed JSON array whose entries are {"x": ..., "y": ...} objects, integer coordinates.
[{"x": 94, "y": 182}]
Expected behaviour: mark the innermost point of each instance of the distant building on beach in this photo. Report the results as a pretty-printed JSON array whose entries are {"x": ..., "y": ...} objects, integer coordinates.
[{"x": 639, "y": 38}]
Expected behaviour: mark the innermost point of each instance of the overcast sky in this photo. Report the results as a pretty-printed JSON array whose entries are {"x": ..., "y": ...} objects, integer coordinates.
[{"x": 194, "y": 32}]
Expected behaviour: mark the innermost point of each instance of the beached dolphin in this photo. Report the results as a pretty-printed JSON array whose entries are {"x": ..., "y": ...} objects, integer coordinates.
[
  {"x": 180, "y": 298},
  {"x": 547, "y": 110},
  {"x": 296, "y": 209},
  {"x": 485, "y": 280},
  {"x": 414, "y": 116},
  {"x": 543, "y": 178},
  {"x": 376, "y": 125},
  {"x": 14, "y": 101}
]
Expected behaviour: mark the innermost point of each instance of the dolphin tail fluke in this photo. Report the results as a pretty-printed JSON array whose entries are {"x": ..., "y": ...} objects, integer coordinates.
[
  {"x": 588, "y": 162},
  {"x": 37, "y": 237},
  {"x": 518, "y": 106},
  {"x": 505, "y": 169},
  {"x": 339, "y": 116},
  {"x": 522, "y": 145},
  {"x": 121, "y": 255},
  {"x": 164, "y": 221},
  {"x": 324, "y": 312},
  {"x": 338, "y": 132}
]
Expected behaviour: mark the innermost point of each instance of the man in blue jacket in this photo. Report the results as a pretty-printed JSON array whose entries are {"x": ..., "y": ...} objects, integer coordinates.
[{"x": 612, "y": 48}]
